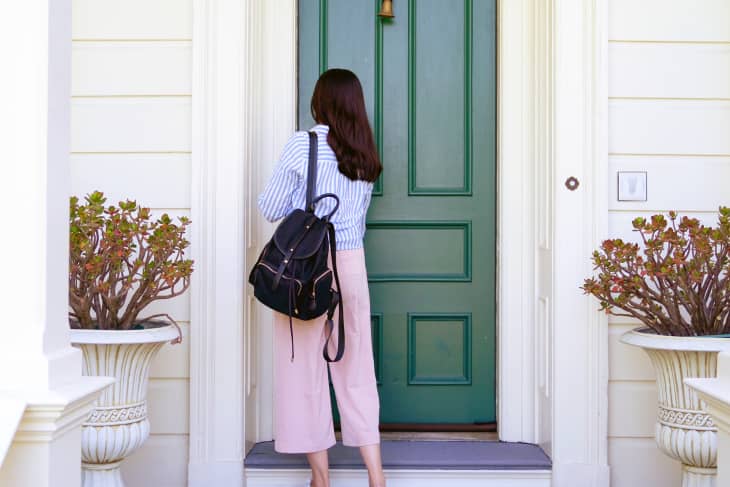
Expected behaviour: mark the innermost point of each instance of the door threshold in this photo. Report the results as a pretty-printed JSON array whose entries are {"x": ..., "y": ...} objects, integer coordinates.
[
  {"x": 432, "y": 427},
  {"x": 435, "y": 435}
]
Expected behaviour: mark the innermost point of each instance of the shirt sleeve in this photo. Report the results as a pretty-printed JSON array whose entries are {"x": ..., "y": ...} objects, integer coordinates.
[
  {"x": 366, "y": 205},
  {"x": 276, "y": 200}
]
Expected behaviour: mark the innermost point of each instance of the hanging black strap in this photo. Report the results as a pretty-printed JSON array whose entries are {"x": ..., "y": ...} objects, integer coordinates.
[
  {"x": 336, "y": 302},
  {"x": 311, "y": 172},
  {"x": 291, "y": 325}
]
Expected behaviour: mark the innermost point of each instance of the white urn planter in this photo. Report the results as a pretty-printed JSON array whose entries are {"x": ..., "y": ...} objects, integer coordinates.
[
  {"x": 118, "y": 425},
  {"x": 683, "y": 430}
]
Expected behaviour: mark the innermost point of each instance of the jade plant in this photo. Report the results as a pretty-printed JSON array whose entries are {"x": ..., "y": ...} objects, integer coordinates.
[
  {"x": 121, "y": 260},
  {"x": 676, "y": 281}
]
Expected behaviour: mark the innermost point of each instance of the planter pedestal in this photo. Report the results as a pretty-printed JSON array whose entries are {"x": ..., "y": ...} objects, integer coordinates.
[
  {"x": 102, "y": 475},
  {"x": 683, "y": 431},
  {"x": 118, "y": 425},
  {"x": 699, "y": 477}
]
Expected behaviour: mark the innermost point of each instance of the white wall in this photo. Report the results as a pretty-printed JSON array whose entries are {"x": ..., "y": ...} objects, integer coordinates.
[
  {"x": 130, "y": 137},
  {"x": 669, "y": 115}
]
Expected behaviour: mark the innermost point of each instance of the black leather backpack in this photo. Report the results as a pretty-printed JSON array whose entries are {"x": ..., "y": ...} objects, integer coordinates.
[{"x": 291, "y": 274}]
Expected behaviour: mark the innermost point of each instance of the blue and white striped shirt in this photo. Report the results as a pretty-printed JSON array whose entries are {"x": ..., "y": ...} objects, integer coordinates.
[{"x": 287, "y": 187}]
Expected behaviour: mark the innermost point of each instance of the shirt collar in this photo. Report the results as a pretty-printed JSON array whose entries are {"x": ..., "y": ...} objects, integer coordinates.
[{"x": 321, "y": 128}]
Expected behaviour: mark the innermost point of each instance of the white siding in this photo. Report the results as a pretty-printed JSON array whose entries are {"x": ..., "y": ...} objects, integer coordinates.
[
  {"x": 133, "y": 124},
  {"x": 669, "y": 20},
  {"x": 669, "y": 115},
  {"x": 156, "y": 20},
  {"x": 130, "y": 137},
  {"x": 131, "y": 68}
]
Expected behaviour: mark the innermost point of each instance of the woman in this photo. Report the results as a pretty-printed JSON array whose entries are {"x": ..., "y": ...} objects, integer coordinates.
[{"x": 347, "y": 165}]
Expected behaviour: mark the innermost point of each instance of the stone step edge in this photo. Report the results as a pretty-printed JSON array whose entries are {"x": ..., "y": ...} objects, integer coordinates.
[{"x": 353, "y": 477}]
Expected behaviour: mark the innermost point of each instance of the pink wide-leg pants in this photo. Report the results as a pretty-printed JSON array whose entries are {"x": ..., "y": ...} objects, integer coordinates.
[{"x": 302, "y": 411}]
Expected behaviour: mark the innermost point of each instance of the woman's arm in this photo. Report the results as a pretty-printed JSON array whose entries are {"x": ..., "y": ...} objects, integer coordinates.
[
  {"x": 366, "y": 206},
  {"x": 276, "y": 200}
]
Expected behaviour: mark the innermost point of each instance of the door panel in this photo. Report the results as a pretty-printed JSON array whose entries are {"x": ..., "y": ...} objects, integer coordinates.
[{"x": 429, "y": 82}]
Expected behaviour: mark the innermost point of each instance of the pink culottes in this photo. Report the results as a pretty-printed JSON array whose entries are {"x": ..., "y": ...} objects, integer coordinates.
[{"x": 302, "y": 411}]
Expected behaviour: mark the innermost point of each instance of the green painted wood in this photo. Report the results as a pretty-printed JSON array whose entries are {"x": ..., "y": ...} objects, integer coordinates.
[
  {"x": 427, "y": 251},
  {"x": 439, "y": 350},
  {"x": 308, "y": 57},
  {"x": 323, "y": 47},
  {"x": 378, "y": 115},
  {"x": 430, "y": 87},
  {"x": 439, "y": 117}
]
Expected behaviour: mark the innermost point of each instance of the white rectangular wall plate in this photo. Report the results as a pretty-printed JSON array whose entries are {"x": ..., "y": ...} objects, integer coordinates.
[{"x": 632, "y": 186}]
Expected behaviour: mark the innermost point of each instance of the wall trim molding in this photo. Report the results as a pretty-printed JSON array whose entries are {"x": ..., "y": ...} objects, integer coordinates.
[
  {"x": 580, "y": 396},
  {"x": 515, "y": 254},
  {"x": 552, "y": 123}
]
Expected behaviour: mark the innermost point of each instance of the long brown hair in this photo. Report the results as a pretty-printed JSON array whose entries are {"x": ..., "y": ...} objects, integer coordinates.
[{"x": 338, "y": 101}]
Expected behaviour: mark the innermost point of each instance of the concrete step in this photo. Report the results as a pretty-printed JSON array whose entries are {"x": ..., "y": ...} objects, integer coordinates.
[{"x": 411, "y": 464}]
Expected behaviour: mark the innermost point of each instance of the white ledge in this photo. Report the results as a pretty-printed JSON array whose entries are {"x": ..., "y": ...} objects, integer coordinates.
[
  {"x": 716, "y": 392},
  {"x": 716, "y": 395},
  {"x": 49, "y": 414}
]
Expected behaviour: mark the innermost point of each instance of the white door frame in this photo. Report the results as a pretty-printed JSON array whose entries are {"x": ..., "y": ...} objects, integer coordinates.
[{"x": 551, "y": 125}]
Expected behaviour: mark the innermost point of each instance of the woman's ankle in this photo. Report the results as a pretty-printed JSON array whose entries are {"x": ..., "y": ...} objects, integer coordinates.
[
  {"x": 376, "y": 481},
  {"x": 319, "y": 481}
]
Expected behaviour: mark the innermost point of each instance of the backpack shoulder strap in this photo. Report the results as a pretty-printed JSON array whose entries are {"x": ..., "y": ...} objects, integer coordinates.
[
  {"x": 311, "y": 172},
  {"x": 336, "y": 302}
]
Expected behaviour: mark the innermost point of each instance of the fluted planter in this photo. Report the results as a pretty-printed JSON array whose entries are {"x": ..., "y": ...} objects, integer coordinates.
[
  {"x": 118, "y": 425},
  {"x": 683, "y": 430}
]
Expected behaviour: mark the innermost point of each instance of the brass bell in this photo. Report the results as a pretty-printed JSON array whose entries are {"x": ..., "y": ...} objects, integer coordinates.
[{"x": 386, "y": 9}]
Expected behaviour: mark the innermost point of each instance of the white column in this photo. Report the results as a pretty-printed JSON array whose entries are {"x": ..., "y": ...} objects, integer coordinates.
[
  {"x": 716, "y": 395},
  {"x": 579, "y": 332},
  {"x": 223, "y": 131},
  {"x": 37, "y": 364}
]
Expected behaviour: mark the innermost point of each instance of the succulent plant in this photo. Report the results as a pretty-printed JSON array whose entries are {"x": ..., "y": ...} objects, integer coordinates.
[
  {"x": 676, "y": 282},
  {"x": 121, "y": 260}
]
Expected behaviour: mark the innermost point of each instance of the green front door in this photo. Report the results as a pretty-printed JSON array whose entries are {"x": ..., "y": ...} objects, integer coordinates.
[{"x": 429, "y": 81}]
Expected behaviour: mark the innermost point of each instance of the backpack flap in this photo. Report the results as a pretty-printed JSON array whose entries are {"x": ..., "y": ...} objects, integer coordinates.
[{"x": 300, "y": 235}]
